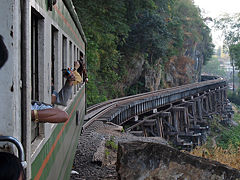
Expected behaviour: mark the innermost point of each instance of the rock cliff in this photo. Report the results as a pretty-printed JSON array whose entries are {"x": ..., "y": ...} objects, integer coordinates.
[
  {"x": 140, "y": 160},
  {"x": 177, "y": 71}
]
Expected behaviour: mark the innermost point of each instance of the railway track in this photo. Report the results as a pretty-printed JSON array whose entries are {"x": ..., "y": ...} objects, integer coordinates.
[{"x": 173, "y": 112}]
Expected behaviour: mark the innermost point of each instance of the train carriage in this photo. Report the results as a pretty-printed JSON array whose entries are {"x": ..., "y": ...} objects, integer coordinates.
[{"x": 38, "y": 39}]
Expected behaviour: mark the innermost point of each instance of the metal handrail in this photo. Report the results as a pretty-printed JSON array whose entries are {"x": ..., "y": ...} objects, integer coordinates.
[{"x": 19, "y": 147}]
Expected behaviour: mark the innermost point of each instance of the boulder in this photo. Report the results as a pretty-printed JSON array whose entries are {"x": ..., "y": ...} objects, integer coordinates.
[
  {"x": 99, "y": 155},
  {"x": 138, "y": 160}
]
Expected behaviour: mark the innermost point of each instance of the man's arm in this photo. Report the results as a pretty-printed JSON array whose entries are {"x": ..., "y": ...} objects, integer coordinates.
[
  {"x": 52, "y": 115},
  {"x": 64, "y": 94}
]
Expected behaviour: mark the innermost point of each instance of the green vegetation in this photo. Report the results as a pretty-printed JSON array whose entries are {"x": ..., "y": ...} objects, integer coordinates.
[
  {"x": 225, "y": 136},
  {"x": 212, "y": 67},
  {"x": 111, "y": 144},
  {"x": 107, "y": 153},
  {"x": 229, "y": 137},
  {"x": 230, "y": 27},
  {"x": 234, "y": 97},
  {"x": 223, "y": 143},
  {"x": 120, "y": 31}
]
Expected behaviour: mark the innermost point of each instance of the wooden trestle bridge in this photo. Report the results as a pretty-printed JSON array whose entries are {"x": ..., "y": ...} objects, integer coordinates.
[{"x": 180, "y": 114}]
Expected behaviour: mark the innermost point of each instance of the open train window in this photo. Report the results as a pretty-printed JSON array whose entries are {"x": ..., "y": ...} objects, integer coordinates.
[
  {"x": 77, "y": 54},
  {"x": 78, "y": 57},
  {"x": 64, "y": 55},
  {"x": 70, "y": 58},
  {"x": 75, "y": 58},
  {"x": 54, "y": 58},
  {"x": 37, "y": 24},
  {"x": 81, "y": 54},
  {"x": 34, "y": 59}
]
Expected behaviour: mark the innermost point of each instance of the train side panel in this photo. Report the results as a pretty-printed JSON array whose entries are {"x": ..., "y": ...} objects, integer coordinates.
[
  {"x": 56, "y": 157},
  {"x": 52, "y": 152},
  {"x": 10, "y": 77},
  {"x": 36, "y": 37}
]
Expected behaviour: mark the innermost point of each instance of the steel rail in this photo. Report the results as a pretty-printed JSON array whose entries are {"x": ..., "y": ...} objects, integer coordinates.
[
  {"x": 142, "y": 95},
  {"x": 96, "y": 111}
]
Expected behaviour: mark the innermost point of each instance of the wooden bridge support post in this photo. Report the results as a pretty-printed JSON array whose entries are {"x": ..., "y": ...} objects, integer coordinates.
[
  {"x": 219, "y": 101},
  {"x": 193, "y": 116},
  {"x": 210, "y": 97},
  {"x": 225, "y": 100},
  {"x": 199, "y": 109},
  {"x": 166, "y": 124},
  {"x": 160, "y": 126},
  {"x": 206, "y": 105},
  {"x": 215, "y": 101},
  {"x": 181, "y": 119}
]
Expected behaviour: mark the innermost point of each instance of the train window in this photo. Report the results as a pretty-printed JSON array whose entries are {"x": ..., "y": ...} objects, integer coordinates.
[
  {"x": 77, "y": 53},
  {"x": 64, "y": 55},
  {"x": 74, "y": 57},
  {"x": 34, "y": 58},
  {"x": 81, "y": 54},
  {"x": 78, "y": 85},
  {"x": 70, "y": 54},
  {"x": 70, "y": 57},
  {"x": 54, "y": 57},
  {"x": 37, "y": 22}
]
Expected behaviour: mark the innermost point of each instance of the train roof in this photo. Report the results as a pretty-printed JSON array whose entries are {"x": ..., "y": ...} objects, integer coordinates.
[{"x": 73, "y": 13}]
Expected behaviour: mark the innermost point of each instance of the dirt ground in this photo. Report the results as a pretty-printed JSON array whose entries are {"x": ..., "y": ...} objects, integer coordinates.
[{"x": 96, "y": 153}]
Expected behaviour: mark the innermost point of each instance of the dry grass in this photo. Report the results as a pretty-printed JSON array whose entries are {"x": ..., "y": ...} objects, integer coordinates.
[{"x": 230, "y": 156}]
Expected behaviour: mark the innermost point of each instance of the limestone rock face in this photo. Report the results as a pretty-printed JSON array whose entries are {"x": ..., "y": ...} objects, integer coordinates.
[
  {"x": 176, "y": 71},
  {"x": 147, "y": 161},
  {"x": 153, "y": 76},
  {"x": 135, "y": 69},
  {"x": 180, "y": 71}
]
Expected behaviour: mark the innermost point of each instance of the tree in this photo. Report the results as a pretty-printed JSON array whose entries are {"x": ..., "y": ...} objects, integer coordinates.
[
  {"x": 150, "y": 35},
  {"x": 230, "y": 27},
  {"x": 234, "y": 51},
  {"x": 105, "y": 27},
  {"x": 219, "y": 51},
  {"x": 116, "y": 31},
  {"x": 194, "y": 30},
  {"x": 213, "y": 67}
]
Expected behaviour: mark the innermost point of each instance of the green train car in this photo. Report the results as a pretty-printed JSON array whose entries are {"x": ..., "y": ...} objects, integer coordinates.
[{"x": 40, "y": 38}]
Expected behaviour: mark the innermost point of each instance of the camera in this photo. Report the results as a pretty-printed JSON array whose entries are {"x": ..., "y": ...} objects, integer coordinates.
[{"x": 67, "y": 72}]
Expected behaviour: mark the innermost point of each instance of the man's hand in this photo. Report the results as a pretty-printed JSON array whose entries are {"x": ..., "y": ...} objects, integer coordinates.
[
  {"x": 68, "y": 73},
  {"x": 51, "y": 115},
  {"x": 76, "y": 65}
]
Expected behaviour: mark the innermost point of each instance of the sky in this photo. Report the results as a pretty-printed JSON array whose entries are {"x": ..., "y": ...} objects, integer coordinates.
[{"x": 214, "y": 8}]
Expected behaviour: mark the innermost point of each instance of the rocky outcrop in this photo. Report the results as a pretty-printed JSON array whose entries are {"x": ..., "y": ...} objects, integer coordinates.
[
  {"x": 177, "y": 71},
  {"x": 141, "y": 160},
  {"x": 134, "y": 70},
  {"x": 180, "y": 71},
  {"x": 153, "y": 76}
]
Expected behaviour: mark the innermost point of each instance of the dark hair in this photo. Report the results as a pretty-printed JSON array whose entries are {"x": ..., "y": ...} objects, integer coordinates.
[
  {"x": 80, "y": 69},
  {"x": 10, "y": 167},
  {"x": 3, "y": 52}
]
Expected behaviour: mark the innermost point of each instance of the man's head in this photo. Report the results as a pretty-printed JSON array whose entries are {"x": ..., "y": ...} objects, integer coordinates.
[
  {"x": 3, "y": 52},
  {"x": 10, "y": 167},
  {"x": 80, "y": 60},
  {"x": 81, "y": 57}
]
